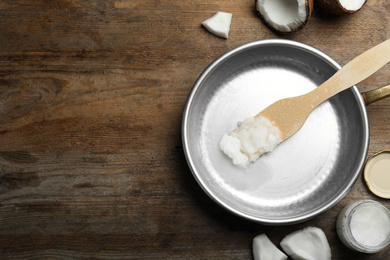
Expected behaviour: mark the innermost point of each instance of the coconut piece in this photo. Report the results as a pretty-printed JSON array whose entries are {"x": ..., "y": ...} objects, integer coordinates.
[
  {"x": 307, "y": 244},
  {"x": 219, "y": 24},
  {"x": 264, "y": 249},
  {"x": 285, "y": 16},
  {"x": 341, "y": 6}
]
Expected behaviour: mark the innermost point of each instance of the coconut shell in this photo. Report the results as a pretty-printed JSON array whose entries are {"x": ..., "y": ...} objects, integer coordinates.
[
  {"x": 309, "y": 10},
  {"x": 334, "y": 7}
]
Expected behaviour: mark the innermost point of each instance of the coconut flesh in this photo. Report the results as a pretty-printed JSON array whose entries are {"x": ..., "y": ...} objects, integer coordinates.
[
  {"x": 352, "y": 5},
  {"x": 219, "y": 24},
  {"x": 264, "y": 249},
  {"x": 307, "y": 243},
  {"x": 285, "y": 15},
  {"x": 341, "y": 6}
]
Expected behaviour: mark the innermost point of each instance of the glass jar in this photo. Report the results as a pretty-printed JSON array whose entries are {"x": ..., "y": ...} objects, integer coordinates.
[{"x": 364, "y": 226}]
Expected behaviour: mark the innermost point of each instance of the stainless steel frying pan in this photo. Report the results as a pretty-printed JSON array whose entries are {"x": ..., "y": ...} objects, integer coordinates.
[{"x": 308, "y": 173}]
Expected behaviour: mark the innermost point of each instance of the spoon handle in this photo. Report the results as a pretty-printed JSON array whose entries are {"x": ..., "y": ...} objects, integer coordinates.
[
  {"x": 290, "y": 114},
  {"x": 354, "y": 72}
]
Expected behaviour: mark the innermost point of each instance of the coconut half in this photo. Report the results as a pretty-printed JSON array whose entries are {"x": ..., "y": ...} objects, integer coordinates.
[
  {"x": 341, "y": 6},
  {"x": 285, "y": 16}
]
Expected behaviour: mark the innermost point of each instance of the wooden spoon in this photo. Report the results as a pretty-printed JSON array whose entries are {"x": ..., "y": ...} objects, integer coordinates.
[{"x": 290, "y": 114}]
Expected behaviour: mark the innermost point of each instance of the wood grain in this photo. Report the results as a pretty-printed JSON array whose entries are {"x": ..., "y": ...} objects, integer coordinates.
[{"x": 91, "y": 99}]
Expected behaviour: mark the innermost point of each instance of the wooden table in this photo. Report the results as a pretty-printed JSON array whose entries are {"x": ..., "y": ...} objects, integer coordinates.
[{"x": 91, "y": 100}]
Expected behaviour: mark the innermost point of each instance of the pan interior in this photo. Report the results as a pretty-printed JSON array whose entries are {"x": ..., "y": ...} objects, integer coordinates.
[{"x": 304, "y": 175}]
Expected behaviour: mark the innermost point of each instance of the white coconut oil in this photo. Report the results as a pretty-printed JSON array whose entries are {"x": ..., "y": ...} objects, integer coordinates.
[
  {"x": 364, "y": 226},
  {"x": 252, "y": 138}
]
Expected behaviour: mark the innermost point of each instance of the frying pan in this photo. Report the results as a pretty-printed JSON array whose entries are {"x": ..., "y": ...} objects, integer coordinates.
[{"x": 305, "y": 175}]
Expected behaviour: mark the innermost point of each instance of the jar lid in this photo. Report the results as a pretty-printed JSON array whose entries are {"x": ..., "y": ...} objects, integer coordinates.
[{"x": 377, "y": 174}]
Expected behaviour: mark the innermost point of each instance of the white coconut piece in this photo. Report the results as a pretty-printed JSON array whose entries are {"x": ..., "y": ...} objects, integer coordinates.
[
  {"x": 219, "y": 24},
  {"x": 352, "y": 5},
  {"x": 264, "y": 249},
  {"x": 285, "y": 15},
  {"x": 307, "y": 244},
  {"x": 341, "y": 6}
]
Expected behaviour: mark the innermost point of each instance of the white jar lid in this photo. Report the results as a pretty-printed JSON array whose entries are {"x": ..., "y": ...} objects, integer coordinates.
[{"x": 377, "y": 174}]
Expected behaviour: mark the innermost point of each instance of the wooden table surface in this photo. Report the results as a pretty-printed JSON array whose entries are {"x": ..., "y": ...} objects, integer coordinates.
[{"x": 91, "y": 101}]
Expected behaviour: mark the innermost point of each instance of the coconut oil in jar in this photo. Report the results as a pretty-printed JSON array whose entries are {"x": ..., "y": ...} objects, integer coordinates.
[{"x": 364, "y": 226}]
